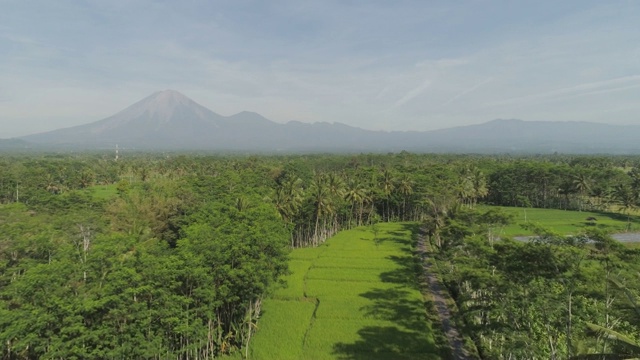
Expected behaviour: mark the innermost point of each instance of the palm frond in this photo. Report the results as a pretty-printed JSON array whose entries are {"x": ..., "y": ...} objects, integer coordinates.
[{"x": 629, "y": 343}]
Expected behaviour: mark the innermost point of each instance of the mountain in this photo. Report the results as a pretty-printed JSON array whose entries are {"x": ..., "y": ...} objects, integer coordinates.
[
  {"x": 168, "y": 120},
  {"x": 540, "y": 137},
  {"x": 13, "y": 144}
]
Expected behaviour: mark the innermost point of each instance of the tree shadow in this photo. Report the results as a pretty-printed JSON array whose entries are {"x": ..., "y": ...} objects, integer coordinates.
[
  {"x": 635, "y": 219},
  {"x": 397, "y": 306},
  {"x": 409, "y": 335},
  {"x": 399, "y": 238},
  {"x": 386, "y": 343},
  {"x": 405, "y": 274}
]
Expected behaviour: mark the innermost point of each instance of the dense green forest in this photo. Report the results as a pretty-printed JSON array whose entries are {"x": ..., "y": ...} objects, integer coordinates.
[{"x": 170, "y": 255}]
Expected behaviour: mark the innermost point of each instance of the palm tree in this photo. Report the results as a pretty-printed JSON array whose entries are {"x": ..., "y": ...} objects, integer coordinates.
[
  {"x": 582, "y": 184},
  {"x": 86, "y": 179},
  {"x": 465, "y": 190},
  {"x": 566, "y": 189},
  {"x": 51, "y": 185},
  {"x": 627, "y": 347},
  {"x": 438, "y": 208},
  {"x": 335, "y": 184},
  {"x": 479, "y": 183},
  {"x": 627, "y": 199},
  {"x": 336, "y": 189},
  {"x": 405, "y": 187},
  {"x": 387, "y": 186},
  {"x": 634, "y": 174},
  {"x": 321, "y": 197},
  {"x": 281, "y": 202},
  {"x": 356, "y": 195},
  {"x": 295, "y": 193},
  {"x": 288, "y": 199}
]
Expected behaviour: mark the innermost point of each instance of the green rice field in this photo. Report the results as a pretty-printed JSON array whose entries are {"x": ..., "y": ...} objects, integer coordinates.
[
  {"x": 565, "y": 222},
  {"x": 349, "y": 299}
]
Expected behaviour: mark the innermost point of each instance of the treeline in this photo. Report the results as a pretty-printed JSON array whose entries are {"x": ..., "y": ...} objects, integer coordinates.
[
  {"x": 394, "y": 186},
  {"x": 168, "y": 255},
  {"x": 317, "y": 200},
  {"x": 575, "y": 185}
]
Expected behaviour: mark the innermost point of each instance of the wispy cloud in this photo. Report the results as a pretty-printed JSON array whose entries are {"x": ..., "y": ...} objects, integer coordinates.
[
  {"x": 585, "y": 89},
  {"x": 466, "y": 91},
  {"x": 24, "y": 40},
  {"x": 413, "y": 93}
]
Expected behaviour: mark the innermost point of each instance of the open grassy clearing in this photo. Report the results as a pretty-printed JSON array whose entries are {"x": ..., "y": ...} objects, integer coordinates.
[
  {"x": 349, "y": 299},
  {"x": 104, "y": 192},
  {"x": 564, "y": 221}
]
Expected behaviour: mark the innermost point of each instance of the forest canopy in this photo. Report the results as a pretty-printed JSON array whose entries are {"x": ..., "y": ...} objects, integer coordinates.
[{"x": 157, "y": 256}]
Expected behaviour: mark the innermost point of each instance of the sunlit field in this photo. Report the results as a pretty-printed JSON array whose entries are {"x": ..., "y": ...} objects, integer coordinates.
[
  {"x": 351, "y": 298},
  {"x": 565, "y": 222},
  {"x": 104, "y": 191}
]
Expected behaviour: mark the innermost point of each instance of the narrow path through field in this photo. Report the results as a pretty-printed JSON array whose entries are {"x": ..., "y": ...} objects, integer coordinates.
[{"x": 438, "y": 293}]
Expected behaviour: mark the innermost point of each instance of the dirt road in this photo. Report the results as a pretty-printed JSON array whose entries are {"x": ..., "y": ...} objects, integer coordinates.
[{"x": 439, "y": 295}]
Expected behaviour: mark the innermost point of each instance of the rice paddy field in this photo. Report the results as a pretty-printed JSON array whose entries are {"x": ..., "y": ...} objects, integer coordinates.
[
  {"x": 566, "y": 222},
  {"x": 351, "y": 298}
]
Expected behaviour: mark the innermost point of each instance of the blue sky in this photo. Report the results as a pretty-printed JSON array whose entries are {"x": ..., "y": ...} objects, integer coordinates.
[{"x": 383, "y": 65}]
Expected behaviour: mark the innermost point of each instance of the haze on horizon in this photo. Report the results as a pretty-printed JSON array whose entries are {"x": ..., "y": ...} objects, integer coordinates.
[{"x": 380, "y": 65}]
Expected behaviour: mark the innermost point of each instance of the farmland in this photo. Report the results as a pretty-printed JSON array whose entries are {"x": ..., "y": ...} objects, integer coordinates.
[
  {"x": 565, "y": 222},
  {"x": 351, "y": 298}
]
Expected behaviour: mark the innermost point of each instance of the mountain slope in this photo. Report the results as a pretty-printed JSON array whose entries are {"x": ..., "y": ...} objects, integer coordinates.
[
  {"x": 169, "y": 120},
  {"x": 13, "y": 144},
  {"x": 540, "y": 136},
  {"x": 165, "y": 118}
]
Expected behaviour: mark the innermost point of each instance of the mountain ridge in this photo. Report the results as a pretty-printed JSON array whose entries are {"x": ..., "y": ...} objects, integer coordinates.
[{"x": 168, "y": 120}]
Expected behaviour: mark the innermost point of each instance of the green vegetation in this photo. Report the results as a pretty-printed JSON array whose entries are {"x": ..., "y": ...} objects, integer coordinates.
[
  {"x": 350, "y": 299},
  {"x": 104, "y": 192},
  {"x": 171, "y": 255},
  {"x": 565, "y": 222},
  {"x": 501, "y": 288},
  {"x": 147, "y": 267}
]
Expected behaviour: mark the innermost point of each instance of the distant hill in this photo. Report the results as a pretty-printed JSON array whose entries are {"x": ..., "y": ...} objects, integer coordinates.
[
  {"x": 168, "y": 120},
  {"x": 13, "y": 144},
  {"x": 540, "y": 137}
]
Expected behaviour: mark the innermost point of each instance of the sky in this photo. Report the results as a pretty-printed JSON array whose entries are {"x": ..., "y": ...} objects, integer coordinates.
[{"x": 375, "y": 64}]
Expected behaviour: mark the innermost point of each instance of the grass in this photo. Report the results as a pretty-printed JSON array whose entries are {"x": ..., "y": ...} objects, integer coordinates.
[
  {"x": 104, "y": 192},
  {"x": 343, "y": 274},
  {"x": 294, "y": 288},
  {"x": 564, "y": 221},
  {"x": 353, "y": 262},
  {"x": 349, "y": 299},
  {"x": 289, "y": 337}
]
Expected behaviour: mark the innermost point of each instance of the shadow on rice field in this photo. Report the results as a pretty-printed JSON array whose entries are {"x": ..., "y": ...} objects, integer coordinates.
[{"x": 351, "y": 298}]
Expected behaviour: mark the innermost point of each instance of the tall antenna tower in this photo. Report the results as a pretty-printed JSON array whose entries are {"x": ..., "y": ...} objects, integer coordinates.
[{"x": 117, "y": 155}]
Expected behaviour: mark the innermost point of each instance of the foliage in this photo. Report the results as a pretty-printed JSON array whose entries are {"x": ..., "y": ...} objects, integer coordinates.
[
  {"x": 170, "y": 255},
  {"x": 535, "y": 299}
]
